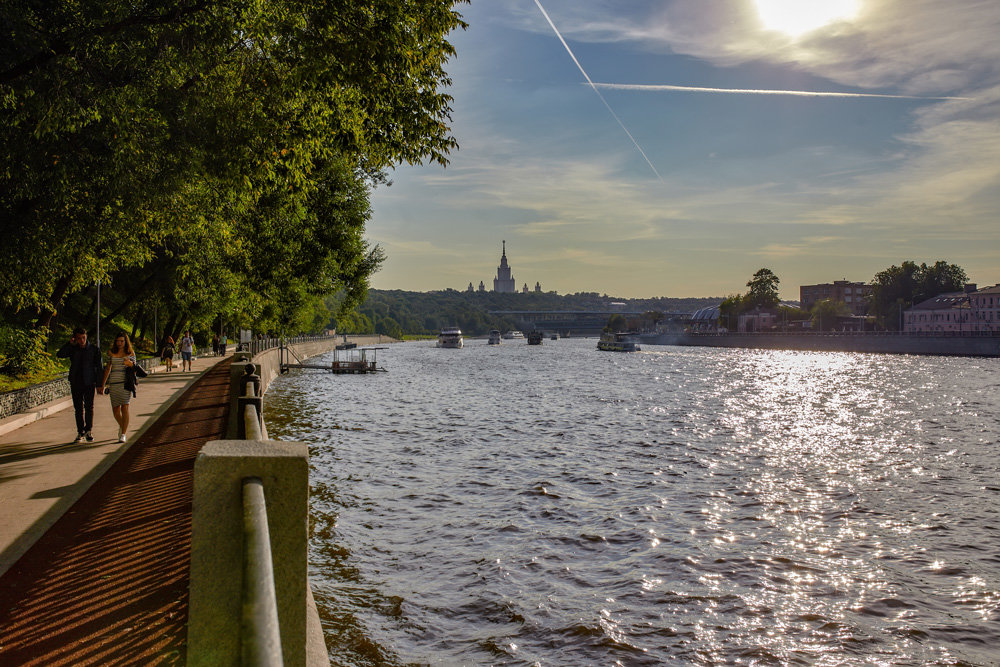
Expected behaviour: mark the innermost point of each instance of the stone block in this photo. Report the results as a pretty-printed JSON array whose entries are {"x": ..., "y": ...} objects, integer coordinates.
[{"x": 217, "y": 545}]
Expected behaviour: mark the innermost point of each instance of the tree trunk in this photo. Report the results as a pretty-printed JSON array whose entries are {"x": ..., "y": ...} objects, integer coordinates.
[{"x": 46, "y": 314}]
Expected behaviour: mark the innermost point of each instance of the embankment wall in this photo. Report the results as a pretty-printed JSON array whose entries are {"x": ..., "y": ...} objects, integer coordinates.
[{"x": 965, "y": 346}]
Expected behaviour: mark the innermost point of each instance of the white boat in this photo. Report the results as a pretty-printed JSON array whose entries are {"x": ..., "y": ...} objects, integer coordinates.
[
  {"x": 618, "y": 342},
  {"x": 450, "y": 338},
  {"x": 513, "y": 335},
  {"x": 494, "y": 337}
]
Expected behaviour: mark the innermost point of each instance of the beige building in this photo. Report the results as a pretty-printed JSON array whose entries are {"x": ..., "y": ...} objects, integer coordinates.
[{"x": 855, "y": 295}]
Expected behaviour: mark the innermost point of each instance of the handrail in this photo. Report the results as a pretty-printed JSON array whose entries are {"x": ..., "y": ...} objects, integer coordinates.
[
  {"x": 260, "y": 635},
  {"x": 251, "y": 422}
]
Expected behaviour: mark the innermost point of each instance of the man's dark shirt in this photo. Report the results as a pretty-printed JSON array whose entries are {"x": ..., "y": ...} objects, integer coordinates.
[{"x": 85, "y": 369}]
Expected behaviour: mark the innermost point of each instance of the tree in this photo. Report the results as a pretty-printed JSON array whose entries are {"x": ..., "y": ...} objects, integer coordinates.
[
  {"x": 128, "y": 129},
  {"x": 729, "y": 311},
  {"x": 616, "y": 323},
  {"x": 899, "y": 287},
  {"x": 763, "y": 290},
  {"x": 115, "y": 113},
  {"x": 826, "y": 312}
]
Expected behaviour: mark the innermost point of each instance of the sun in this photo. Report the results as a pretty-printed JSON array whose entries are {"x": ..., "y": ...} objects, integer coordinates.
[{"x": 797, "y": 17}]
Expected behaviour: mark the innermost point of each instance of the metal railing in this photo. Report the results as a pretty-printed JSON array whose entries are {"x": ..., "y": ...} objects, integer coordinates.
[{"x": 258, "y": 345}]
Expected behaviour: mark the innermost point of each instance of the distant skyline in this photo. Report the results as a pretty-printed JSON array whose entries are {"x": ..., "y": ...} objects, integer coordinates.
[{"x": 673, "y": 148}]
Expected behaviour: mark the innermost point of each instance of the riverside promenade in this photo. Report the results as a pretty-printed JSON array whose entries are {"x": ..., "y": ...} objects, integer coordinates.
[{"x": 95, "y": 537}]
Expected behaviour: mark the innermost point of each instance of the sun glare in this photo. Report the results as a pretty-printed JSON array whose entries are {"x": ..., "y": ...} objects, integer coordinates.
[{"x": 797, "y": 17}]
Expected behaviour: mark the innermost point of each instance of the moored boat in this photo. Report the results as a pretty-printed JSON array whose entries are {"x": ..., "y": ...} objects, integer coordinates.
[
  {"x": 534, "y": 338},
  {"x": 494, "y": 337},
  {"x": 622, "y": 341},
  {"x": 513, "y": 335},
  {"x": 451, "y": 338}
]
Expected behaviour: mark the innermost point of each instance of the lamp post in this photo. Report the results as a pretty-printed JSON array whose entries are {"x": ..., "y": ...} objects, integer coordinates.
[{"x": 97, "y": 335}]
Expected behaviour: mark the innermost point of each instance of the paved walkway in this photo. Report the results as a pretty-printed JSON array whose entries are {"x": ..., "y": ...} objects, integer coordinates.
[{"x": 106, "y": 581}]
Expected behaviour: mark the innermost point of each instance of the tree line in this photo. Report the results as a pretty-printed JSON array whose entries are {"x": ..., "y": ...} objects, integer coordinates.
[
  {"x": 398, "y": 312},
  {"x": 209, "y": 161}
]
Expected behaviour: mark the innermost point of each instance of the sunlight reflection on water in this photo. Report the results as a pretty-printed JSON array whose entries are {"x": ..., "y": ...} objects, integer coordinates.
[{"x": 558, "y": 505}]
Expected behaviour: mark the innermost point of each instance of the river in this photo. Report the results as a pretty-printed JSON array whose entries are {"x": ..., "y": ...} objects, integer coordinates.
[{"x": 556, "y": 505}]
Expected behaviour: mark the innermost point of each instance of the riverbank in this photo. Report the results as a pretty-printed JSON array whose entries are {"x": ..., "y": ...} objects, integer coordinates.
[{"x": 877, "y": 343}]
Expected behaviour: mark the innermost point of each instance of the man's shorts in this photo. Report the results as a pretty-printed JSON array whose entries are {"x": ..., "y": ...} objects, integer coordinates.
[{"x": 185, "y": 356}]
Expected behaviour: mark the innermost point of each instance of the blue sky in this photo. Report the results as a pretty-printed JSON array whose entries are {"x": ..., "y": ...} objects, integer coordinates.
[{"x": 815, "y": 188}]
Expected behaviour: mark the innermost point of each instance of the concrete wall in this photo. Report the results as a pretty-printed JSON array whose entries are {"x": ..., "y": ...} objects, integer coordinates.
[
  {"x": 22, "y": 400},
  {"x": 968, "y": 346},
  {"x": 217, "y": 532}
]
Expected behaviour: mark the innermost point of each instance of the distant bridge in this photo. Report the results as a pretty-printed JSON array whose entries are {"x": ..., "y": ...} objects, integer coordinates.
[{"x": 580, "y": 322}]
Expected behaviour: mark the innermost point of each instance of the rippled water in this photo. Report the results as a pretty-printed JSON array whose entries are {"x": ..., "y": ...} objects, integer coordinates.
[{"x": 557, "y": 505}]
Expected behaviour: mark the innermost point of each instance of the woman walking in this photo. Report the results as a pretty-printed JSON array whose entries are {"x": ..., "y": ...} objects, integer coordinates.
[
  {"x": 122, "y": 357},
  {"x": 167, "y": 355}
]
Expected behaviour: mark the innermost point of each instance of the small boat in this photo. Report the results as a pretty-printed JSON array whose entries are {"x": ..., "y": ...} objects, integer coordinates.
[
  {"x": 494, "y": 337},
  {"x": 555, "y": 336},
  {"x": 451, "y": 338},
  {"x": 534, "y": 338},
  {"x": 513, "y": 335},
  {"x": 618, "y": 342}
]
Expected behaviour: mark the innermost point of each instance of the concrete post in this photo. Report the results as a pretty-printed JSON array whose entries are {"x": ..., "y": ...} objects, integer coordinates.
[
  {"x": 236, "y": 372},
  {"x": 217, "y": 546}
]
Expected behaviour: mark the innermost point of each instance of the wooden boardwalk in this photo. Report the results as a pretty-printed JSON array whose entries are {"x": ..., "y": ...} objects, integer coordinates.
[{"x": 108, "y": 583}]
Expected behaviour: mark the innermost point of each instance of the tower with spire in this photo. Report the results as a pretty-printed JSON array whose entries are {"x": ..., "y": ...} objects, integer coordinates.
[{"x": 504, "y": 282}]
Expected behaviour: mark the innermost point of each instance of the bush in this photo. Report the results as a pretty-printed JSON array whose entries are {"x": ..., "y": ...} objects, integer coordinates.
[{"x": 22, "y": 351}]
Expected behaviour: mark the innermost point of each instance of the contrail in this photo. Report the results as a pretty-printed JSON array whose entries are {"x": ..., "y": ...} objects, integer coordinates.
[
  {"x": 753, "y": 91},
  {"x": 587, "y": 77}
]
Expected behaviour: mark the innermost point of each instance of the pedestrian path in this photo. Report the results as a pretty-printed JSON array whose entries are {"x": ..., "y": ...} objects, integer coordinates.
[
  {"x": 43, "y": 472},
  {"x": 107, "y": 582}
]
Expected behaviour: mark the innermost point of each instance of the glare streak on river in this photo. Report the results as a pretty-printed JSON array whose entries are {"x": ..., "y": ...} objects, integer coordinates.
[{"x": 556, "y": 505}]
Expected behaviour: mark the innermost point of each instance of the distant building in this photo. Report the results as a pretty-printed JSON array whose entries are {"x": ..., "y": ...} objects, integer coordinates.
[
  {"x": 969, "y": 311},
  {"x": 985, "y": 307},
  {"x": 482, "y": 287},
  {"x": 758, "y": 319},
  {"x": 945, "y": 313},
  {"x": 470, "y": 290},
  {"x": 705, "y": 319},
  {"x": 538, "y": 288},
  {"x": 504, "y": 282},
  {"x": 855, "y": 295},
  {"x": 524, "y": 290}
]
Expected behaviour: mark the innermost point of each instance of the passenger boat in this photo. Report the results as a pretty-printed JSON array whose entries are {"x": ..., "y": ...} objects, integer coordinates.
[
  {"x": 451, "y": 338},
  {"x": 513, "y": 335},
  {"x": 534, "y": 338},
  {"x": 494, "y": 337},
  {"x": 618, "y": 342}
]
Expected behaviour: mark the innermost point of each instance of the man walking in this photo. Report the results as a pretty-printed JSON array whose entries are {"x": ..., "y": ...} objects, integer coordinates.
[
  {"x": 187, "y": 350},
  {"x": 85, "y": 372}
]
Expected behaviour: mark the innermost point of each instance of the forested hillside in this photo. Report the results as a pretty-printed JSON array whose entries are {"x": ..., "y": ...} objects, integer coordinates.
[{"x": 397, "y": 312}]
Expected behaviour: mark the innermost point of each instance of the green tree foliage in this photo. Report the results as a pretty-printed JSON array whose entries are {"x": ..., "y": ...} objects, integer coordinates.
[
  {"x": 208, "y": 156},
  {"x": 729, "y": 311},
  {"x": 763, "y": 290},
  {"x": 899, "y": 287},
  {"x": 826, "y": 312},
  {"x": 616, "y": 323}
]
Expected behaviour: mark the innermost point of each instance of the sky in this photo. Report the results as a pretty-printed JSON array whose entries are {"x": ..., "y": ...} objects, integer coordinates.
[{"x": 663, "y": 147}]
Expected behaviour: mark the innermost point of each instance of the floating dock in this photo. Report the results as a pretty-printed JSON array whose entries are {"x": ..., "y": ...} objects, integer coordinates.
[{"x": 350, "y": 360}]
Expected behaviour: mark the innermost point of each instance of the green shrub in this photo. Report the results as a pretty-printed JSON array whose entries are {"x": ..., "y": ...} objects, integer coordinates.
[{"x": 22, "y": 351}]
